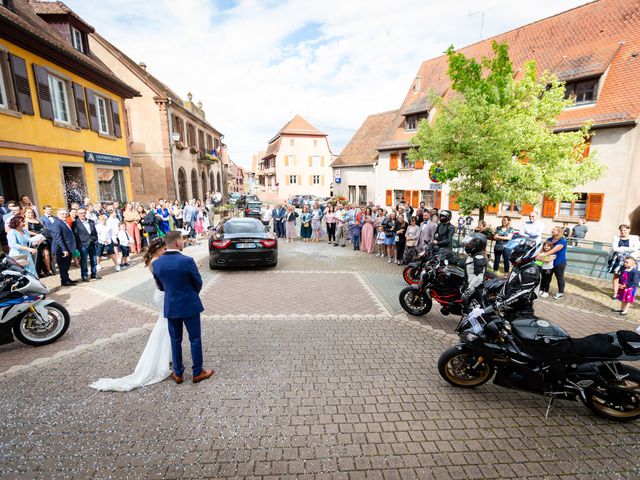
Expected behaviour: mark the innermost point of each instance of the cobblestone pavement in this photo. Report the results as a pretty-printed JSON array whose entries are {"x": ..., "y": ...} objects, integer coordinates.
[{"x": 351, "y": 391}]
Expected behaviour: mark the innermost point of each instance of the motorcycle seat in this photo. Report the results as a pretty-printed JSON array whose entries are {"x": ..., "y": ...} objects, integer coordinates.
[
  {"x": 598, "y": 345},
  {"x": 629, "y": 341}
]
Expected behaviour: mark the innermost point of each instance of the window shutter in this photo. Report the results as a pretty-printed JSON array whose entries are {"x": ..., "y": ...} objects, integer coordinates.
[
  {"x": 419, "y": 164},
  {"x": 585, "y": 152},
  {"x": 115, "y": 111},
  {"x": 322, "y": 178},
  {"x": 453, "y": 202},
  {"x": 310, "y": 179},
  {"x": 438, "y": 199},
  {"x": 526, "y": 209},
  {"x": 393, "y": 161},
  {"x": 81, "y": 107},
  {"x": 286, "y": 160},
  {"x": 91, "y": 106},
  {"x": 594, "y": 206},
  {"x": 415, "y": 198},
  {"x": 286, "y": 179},
  {"x": 389, "y": 198},
  {"x": 322, "y": 161},
  {"x": 407, "y": 196},
  {"x": 548, "y": 207},
  {"x": 44, "y": 94},
  {"x": 21, "y": 84},
  {"x": 491, "y": 209},
  {"x": 310, "y": 161}
]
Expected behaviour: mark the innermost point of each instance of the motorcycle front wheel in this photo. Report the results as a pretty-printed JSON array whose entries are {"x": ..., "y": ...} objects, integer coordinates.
[
  {"x": 617, "y": 411},
  {"x": 414, "y": 301},
  {"x": 411, "y": 275},
  {"x": 461, "y": 369},
  {"x": 32, "y": 330}
]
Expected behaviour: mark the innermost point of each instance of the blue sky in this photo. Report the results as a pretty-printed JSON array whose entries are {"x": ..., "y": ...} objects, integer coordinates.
[{"x": 256, "y": 63}]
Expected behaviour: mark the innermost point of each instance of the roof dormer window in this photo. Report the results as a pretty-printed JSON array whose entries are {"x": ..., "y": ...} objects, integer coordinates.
[
  {"x": 582, "y": 90},
  {"x": 77, "y": 40}
]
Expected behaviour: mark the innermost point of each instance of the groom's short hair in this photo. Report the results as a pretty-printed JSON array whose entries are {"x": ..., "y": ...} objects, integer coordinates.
[{"x": 172, "y": 237}]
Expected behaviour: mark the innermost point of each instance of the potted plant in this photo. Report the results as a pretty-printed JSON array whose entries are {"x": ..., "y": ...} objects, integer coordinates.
[
  {"x": 180, "y": 145},
  {"x": 193, "y": 150}
]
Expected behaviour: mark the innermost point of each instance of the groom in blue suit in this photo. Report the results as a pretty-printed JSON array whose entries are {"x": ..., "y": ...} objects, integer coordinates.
[{"x": 178, "y": 277}]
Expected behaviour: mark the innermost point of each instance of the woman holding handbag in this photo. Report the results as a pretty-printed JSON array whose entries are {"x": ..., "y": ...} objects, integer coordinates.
[
  {"x": 503, "y": 234},
  {"x": 622, "y": 246}
]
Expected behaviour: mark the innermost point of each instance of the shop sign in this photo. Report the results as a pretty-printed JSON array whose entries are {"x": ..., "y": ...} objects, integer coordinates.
[
  {"x": 106, "y": 159},
  {"x": 435, "y": 186}
]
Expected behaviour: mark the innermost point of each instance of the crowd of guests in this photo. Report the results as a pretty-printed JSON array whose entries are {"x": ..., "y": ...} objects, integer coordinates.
[{"x": 87, "y": 234}]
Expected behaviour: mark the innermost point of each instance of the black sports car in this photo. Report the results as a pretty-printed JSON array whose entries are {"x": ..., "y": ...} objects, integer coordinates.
[{"x": 242, "y": 242}]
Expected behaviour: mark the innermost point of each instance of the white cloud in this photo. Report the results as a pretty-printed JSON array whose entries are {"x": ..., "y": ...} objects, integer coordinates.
[{"x": 362, "y": 59}]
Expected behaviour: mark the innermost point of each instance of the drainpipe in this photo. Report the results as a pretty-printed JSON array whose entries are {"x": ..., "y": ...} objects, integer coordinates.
[{"x": 171, "y": 149}]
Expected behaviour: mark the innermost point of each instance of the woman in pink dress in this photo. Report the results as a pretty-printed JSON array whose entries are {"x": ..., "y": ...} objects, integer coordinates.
[{"x": 367, "y": 238}]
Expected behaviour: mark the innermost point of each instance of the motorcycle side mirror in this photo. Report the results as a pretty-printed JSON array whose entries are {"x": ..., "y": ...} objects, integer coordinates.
[{"x": 446, "y": 262}]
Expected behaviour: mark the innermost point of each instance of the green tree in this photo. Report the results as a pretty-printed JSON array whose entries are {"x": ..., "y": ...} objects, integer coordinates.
[{"x": 494, "y": 136}]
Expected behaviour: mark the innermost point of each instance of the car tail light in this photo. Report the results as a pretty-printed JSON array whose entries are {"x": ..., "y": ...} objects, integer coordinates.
[
  {"x": 247, "y": 210},
  {"x": 268, "y": 243},
  {"x": 221, "y": 244}
]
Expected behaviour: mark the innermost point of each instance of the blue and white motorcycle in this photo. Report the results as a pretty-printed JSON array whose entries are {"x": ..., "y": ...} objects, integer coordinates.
[{"x": 24, "y": 309}]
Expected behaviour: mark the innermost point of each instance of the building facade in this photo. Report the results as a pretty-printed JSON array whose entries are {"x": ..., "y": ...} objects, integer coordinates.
[
  {"x": 61, "y": 128},
  {"x": 598, "y": 59},
  {"x": 175, "y": 152},
  {"x": 297, "y": 162}
]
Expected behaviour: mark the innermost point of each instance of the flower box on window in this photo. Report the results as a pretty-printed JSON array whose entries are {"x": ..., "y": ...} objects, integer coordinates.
[{"x": 193, "y": 150}]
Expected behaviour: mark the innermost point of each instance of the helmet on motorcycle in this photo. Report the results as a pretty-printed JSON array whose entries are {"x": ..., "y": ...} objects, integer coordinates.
[
  {"x": 445, "y": 216},
  {"x": 523, "y": 250},
  {"x": 474, "y": 243}
]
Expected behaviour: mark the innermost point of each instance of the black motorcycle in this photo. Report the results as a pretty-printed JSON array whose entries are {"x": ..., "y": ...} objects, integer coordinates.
[
  {"x": 443, "y": 282},
  {"x": 537, "y": 356}
]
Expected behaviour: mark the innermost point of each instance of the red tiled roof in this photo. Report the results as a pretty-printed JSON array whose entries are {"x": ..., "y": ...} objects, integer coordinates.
[
  {"x": 24, "y": 22},
  {"x": 601, "y": 37},
  {"x": 362, "y": 148},
  {"x": 299, "y": 126}
]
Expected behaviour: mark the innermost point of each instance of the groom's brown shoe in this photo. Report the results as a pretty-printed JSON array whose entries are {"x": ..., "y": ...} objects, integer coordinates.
[
  {"x": 204, "y": 374},
  {"x": 176, "y": 378}
]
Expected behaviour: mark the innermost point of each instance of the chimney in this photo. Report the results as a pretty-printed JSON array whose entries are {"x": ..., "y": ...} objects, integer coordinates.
[{"x": 143, "y": 66}]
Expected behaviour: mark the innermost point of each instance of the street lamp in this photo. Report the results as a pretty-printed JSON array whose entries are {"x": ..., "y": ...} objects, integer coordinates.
[{"x": 175, "y": 137}]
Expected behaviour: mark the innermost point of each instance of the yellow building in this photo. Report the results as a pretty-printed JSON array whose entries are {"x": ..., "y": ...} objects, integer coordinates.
[{"x": 61, "y": 128}]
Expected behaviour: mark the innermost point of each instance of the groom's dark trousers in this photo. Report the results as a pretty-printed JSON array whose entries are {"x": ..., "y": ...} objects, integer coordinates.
[{"x": 175, "y": 332}]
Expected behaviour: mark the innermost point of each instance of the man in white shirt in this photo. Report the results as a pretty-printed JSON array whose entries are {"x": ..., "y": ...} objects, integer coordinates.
[
  {"x": 47, "y": 218},
  {"x": 341, "y": 227},
  {"x": 266, "y": 215},
  {"x": 106, "y": 238},
  {"x": 533, "y": 229}
]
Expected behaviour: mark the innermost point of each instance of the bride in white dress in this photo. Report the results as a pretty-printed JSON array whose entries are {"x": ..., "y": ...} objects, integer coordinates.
[{"x": 153, "y": 366}]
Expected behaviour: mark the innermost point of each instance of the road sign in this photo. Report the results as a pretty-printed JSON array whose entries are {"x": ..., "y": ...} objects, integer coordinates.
[{"x": 337, "y": 174}]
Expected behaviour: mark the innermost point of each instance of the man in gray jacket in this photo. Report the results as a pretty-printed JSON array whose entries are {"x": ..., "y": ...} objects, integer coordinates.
[{"x": 427, "y": 229}]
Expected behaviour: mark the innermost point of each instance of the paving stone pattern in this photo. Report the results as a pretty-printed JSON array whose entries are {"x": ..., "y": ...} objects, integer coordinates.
[{"x": 321, "y": 396}]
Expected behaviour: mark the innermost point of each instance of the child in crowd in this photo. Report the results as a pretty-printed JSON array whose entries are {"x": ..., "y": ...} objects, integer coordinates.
[
  {"x": 124, "y": 246},
  {"x": 354, "y": 233},
  {"x": 545, "y": 260},
  {"x": 628, "y": 284},
  {"x": 106, "y": 239},
  {"x": 380, "y": 242}
]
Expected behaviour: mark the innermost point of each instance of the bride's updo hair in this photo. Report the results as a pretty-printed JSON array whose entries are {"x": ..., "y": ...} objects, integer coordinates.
[{"x": 155, "y": 245}]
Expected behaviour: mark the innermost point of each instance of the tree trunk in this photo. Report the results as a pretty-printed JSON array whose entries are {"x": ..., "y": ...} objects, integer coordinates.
[{"x": 481, "y": 213}]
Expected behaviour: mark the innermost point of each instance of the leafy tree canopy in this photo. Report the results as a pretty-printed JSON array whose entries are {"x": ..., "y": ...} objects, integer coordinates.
[{"x": 494, "y": 136}]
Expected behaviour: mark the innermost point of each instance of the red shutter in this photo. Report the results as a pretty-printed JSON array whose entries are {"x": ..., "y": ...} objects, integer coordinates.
[
  {"x": 548, "y": 207},
  {"x": 526, "y": 209},
  {"x": 594, "y": 206},
  {"x": 81, "y": 107},
  {"x": 44, "y": 94},
  {"x": 393, "y": 161},
  {"x": 415, "y": 198},
  {"x": 585, "y": 152},
  {"x": 438, "y": 199},
  {"x": 453, "y": 202},
  {"x": 389, "y": 198},
  {"x": 21, "y": 84},
  {"x": 91, "y": 106},
  {"x": 115, "y": 110},
  {"x": 407, "y": 196},
  {"x": 419, "y": 164}
]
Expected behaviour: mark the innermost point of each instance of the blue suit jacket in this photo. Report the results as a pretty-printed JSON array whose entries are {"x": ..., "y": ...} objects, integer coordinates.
[
  {"x": 178, "y": 277},
  {"x": 63, "y": 239}
]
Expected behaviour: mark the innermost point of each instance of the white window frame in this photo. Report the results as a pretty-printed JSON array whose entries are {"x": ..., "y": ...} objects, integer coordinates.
[
  {"x": 315, "y": 161},
  {"x": 60, "y": 99},
  {"x": 293, "y": 161},
  {"x": 76, "y": 39},
  {"x": 293, "y": 179},
  {"x": 103, "y": 129},
  {"x": 316, "y": 179},
  {"x": 4, "y": 98}
]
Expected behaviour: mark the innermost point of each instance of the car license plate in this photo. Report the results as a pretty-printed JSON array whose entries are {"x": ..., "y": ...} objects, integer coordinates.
[{"x": 246, "y": 245}]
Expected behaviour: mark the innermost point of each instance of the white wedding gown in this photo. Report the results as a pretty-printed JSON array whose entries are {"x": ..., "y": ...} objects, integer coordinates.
[{"x": 153, "y": 366}]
